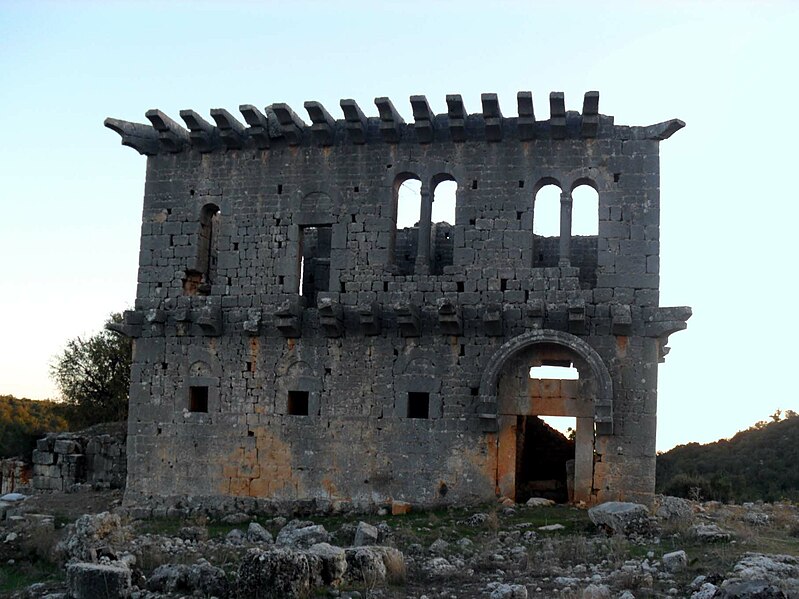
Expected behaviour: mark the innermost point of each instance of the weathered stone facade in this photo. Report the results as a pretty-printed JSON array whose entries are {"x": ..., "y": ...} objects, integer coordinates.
[{"x": 291, "y": 344}]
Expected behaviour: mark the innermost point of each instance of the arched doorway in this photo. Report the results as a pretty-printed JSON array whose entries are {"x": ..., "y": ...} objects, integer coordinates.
[{"x": 533, "y": 459}]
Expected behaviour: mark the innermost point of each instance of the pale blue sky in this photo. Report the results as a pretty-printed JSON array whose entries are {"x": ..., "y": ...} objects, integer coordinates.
[{"x": 71, "y": 195}]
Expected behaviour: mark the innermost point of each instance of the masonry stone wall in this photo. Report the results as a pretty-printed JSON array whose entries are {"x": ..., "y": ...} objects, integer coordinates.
[
  {"x": 66, "y": 461},
  {"x": 387, "y": 365},
  {"x": 15, "y": 476}
]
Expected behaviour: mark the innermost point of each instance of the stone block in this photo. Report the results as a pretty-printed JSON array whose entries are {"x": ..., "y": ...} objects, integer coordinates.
[{"x": 97, "y": 581}]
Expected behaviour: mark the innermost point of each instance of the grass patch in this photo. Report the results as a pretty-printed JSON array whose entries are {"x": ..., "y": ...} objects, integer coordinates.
[{"x": 19, "y": 575}]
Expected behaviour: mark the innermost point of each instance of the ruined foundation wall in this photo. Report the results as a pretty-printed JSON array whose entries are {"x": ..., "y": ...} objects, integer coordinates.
[{"x": 242, "y": 387}]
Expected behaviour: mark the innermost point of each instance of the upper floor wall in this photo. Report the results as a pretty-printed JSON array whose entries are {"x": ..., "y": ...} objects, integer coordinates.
[{"x": 281, "y": 207}]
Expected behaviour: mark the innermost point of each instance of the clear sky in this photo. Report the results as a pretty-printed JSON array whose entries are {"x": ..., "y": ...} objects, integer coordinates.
[{"x": 71, "y": 195}]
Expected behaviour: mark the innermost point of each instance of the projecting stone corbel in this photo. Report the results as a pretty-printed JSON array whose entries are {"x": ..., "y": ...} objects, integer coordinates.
[
  {"x": 424, "y": 119},
  {"x": 324, "y": 125},
  {"x": 258, "y": 129},
  {"x": 456, "y": 114},
  {"x": 131, "y": 325},
  {"x": 557, "y": 115},
  {"x": 590, "y": 124},
  {"x": 142, "y": 138},
  {"x": 231, "y": 130},
  {"x": 492, "y": 116},
  {"x": 209, "y": 318},
  {"x": 331, "y": 316},
  {"x": 492, "y": 320},
  {"x": 576, "y": 313},
  {"x": 663, "y": 130},
  {"x": 291, "y": 125},
  {"x": 288, "y": 317},
  {"x": 621, "y": 319},
  {"x": 526, "y": 121},
  {"x": 355, "y": 121},
  {"x": 370, "y": 318},
  {"x": 171, "y": 135},
  {"x": 662, "y": 322},
  {"x": 252, "y": 325},
  {"x": 534, "y": 314},
  {"x": 390, "y": 120},
  {"x": 203, "y": 135},
  {"x": 409, "y": 319},
  {"x": 449, "y": 316}
]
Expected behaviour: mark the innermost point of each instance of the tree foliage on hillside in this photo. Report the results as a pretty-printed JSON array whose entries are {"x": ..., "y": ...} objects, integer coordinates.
[
  {"x": 758, "y": 463},
  {"x": 22, "y": 421},
  {"x": 93, "y": 375}
]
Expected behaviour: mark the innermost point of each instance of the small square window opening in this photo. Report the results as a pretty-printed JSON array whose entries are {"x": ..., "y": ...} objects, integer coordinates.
[
  {"x": 198, "y": 399},
  {"x": 297, "y": 403},
  {"x": 418, "y": 405}
]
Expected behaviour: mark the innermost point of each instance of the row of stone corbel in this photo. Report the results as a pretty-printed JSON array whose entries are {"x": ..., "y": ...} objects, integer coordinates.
[
  {"x": 658, "y": 322},
  {"x": 280, "y": 122}
]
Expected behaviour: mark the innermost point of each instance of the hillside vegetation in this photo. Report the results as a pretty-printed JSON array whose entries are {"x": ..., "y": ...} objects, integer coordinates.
[
  {"x": 22, "y": 421},
  {"x": 759, "y": 463}
]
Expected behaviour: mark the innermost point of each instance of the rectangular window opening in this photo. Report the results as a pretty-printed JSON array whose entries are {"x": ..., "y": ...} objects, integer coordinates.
[
  {"x": 297, "y": 403},
  {"x": 198, "y": 399},
  {"x": 460, "y": 286},
  {"x": 418, "y": 404},
  {"x": 474, "y": 184}
]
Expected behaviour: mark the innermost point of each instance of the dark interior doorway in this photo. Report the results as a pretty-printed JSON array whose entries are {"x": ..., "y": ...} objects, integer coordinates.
[{"x": 544, "y": 461}]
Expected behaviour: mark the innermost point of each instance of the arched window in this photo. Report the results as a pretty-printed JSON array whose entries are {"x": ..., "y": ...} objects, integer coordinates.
[
  {"x": 407, "y": 208},
  {"x": 546, "y": 225},
  {"x": 200, "y": 275},
  {"x": 585, "y": 210},
  {"x": 444, "y": 202},
  {"x": 442, "y": 217},
  {"x": 546, "y": 211}
]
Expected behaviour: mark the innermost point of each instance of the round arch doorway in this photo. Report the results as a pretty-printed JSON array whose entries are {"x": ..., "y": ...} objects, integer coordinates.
[{"x": 532, "y": 458}]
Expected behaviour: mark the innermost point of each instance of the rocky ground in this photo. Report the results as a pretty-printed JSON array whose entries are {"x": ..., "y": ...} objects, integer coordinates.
[{"x": 85, "y": 545}]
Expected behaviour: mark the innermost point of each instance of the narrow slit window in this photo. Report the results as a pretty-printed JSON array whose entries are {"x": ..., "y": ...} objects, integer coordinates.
[
  {"x": 198, "y": 399},
  {"x": 297, "y": 404},
  {"x": 418, "y": 404}
]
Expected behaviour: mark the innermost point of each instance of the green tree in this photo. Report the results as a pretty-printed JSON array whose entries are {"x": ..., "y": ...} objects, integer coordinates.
[{"x": 94, "y": 375}]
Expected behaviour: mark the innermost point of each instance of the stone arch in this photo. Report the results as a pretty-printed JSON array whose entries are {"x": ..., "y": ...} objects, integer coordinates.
[{"x": 603, "y": 402}]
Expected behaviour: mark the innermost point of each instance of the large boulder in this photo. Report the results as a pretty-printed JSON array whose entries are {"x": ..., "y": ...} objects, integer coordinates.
[
  {"x": 673, "y": 509},
  {"x": 365, "y": 566},
  {"x": 274, "y": 574},
  {"x": 758, "y": 575},
  {"x": 365, "y": 534},
  {"x": 90, "y": 536},
  {"x": 201, "y": 577},
  {"x": 96, "y": 581},
  {"x": 621, "y": 517},
  {"x": 327, "y": 564},
  {"x": 301, "y": 535}
]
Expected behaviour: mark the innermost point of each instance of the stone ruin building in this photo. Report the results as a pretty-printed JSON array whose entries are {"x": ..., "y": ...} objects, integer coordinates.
[{"x": 290, "y": 343}]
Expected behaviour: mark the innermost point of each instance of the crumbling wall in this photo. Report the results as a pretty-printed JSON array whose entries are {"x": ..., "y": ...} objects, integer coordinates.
[
  {"x": 15, "y": 476},
  {"x": 66, "y": 461}
]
